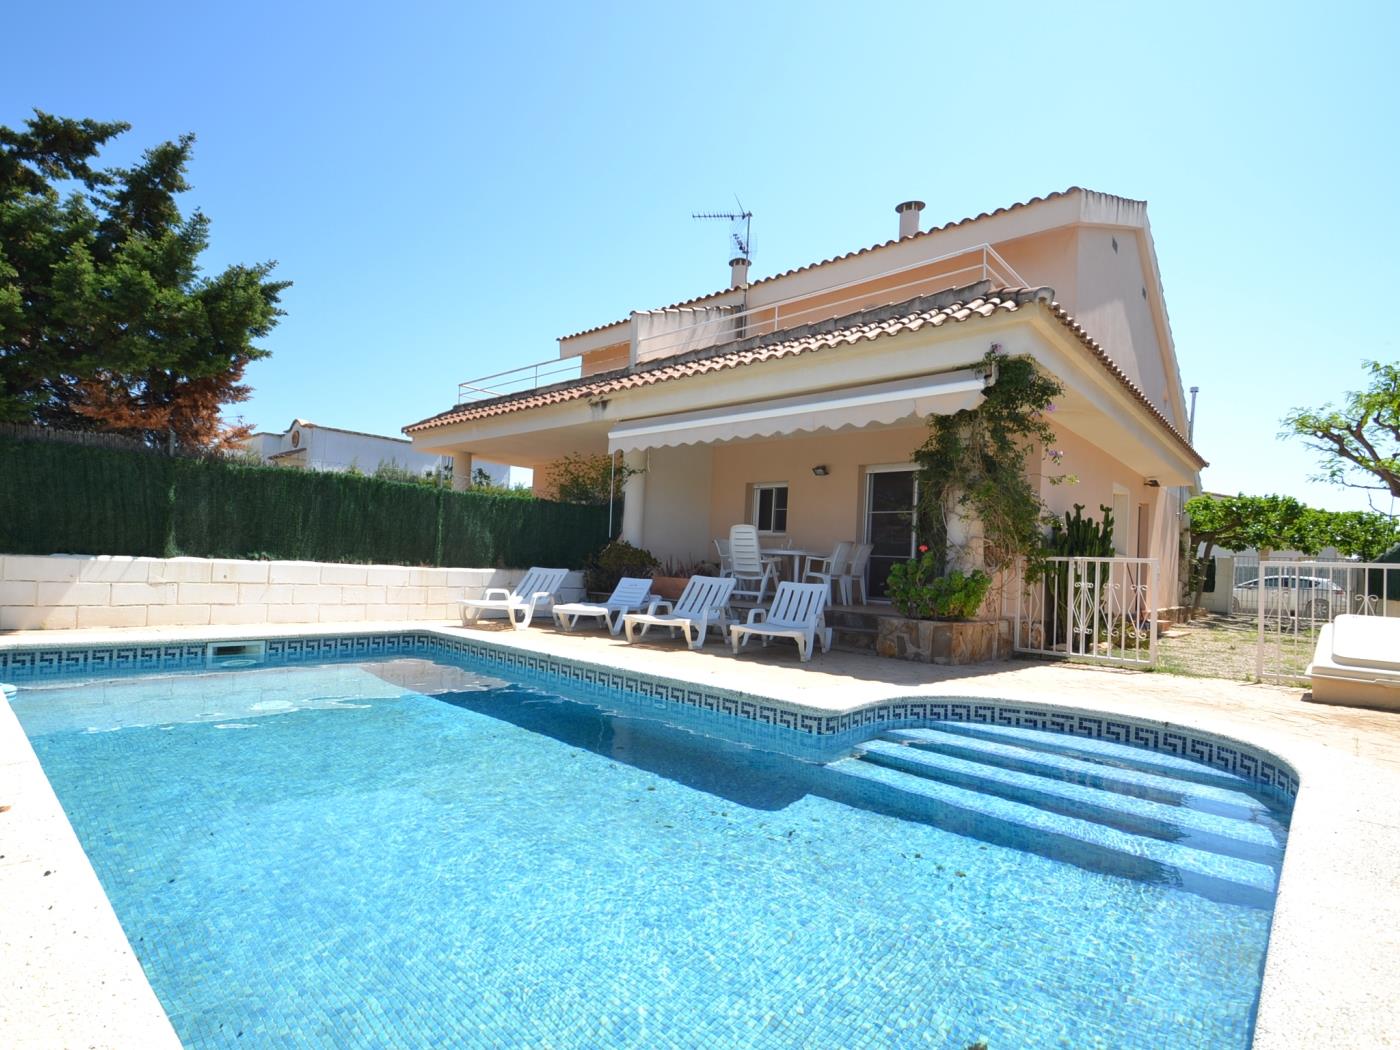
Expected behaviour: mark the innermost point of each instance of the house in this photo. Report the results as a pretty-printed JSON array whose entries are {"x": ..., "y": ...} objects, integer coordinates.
[
  {"x": 315, "y": 447},
  {"x": 795, "y": 401}
]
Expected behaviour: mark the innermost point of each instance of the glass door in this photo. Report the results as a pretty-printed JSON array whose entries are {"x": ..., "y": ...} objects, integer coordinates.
[{"x": 890, "y": 498}]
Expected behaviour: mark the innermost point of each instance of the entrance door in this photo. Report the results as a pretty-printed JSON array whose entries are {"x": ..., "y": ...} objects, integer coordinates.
[{"x": 890, "y": 498}]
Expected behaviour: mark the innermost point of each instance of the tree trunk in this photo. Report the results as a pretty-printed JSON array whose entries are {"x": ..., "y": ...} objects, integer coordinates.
[{"x": 1201, "y": 578}]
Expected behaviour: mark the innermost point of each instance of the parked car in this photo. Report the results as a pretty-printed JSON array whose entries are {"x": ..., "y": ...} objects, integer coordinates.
[{"x": 1315, "y": 597}]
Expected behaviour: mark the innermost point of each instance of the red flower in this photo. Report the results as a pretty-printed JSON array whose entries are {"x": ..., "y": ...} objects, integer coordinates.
[{"x": 923, "y": 548}]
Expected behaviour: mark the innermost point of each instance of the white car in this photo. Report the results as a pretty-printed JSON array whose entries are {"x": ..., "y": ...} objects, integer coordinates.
[{"x": 1315, "y": 597}]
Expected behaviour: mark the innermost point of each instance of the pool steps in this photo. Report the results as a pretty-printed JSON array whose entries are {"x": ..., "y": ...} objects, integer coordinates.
[
  {"x": 1245, "y": 837},
  {"x": 1105, "y": 752},
  {"x": 1226, "y": 802},
  {"x": 1059, "y": 812}
]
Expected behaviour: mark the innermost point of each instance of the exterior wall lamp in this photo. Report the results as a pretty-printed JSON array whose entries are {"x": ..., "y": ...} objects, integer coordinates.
[{"x": 820, "y": 470}]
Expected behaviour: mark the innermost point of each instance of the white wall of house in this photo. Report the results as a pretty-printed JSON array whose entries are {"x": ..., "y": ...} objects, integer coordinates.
[{"x": 69, "y": 591}]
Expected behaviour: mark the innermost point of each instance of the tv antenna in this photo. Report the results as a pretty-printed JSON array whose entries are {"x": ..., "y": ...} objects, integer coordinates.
[{"x": 740, "y": 225}]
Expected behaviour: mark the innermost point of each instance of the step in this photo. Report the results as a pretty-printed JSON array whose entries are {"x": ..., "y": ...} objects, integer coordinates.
[
  {"x": 1108, "y": 752},
  {"x": 1084, "y": 843},
  {"x": 1137, "y": 816},
  {"x": 1089, "y": 772}
]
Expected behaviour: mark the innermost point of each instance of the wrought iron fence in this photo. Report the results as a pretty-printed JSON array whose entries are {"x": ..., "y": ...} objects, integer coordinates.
[
  {"x": 1102, "y": 610},
  {"x": 1293, "y": 600}
]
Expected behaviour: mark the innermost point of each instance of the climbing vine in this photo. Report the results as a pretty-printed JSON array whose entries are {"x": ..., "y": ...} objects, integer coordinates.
[{"x": 974, "y": 462}]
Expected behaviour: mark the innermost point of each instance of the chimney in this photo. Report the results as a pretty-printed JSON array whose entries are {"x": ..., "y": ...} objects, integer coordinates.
[
  {"x": 909, "y": 218},
  {"x": 738, "y": 272}
]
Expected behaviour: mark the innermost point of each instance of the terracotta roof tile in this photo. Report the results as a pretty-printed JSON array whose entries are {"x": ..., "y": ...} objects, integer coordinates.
[
  {"x": 851, "y": 255},
  {"x": 954, "y": 306}
]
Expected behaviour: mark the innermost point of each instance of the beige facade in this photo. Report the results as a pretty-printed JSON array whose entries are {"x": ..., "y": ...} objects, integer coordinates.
[{"x": 837, "y": 365}]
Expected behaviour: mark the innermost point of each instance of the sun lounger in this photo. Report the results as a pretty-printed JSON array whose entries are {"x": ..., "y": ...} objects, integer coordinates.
[
  {"x": 703, "y": 604},
  {"x": 797, "y": 612},
  {"x": 538, "y": 587},
  {"x": 1357, "y": 662},
  {"x": 630, "y": 595}
]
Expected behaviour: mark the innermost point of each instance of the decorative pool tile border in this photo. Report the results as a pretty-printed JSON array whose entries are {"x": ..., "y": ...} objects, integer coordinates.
[{"x": 767, "y": 719}]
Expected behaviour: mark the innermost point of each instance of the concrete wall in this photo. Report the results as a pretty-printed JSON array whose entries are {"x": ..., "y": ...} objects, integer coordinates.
[
  {"x": 1099, "y": 473},
  {"x": 822, "y": 510},
  {"x": 1114, "y": 305},
  {"x": 66, "y": 591},
  {"x": 676, "y": 521}
]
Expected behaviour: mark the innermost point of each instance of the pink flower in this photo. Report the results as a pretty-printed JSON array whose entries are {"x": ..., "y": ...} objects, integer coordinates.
[
  {"x": 1050, "y": 407},
  {"x": 923, "y": 548}
]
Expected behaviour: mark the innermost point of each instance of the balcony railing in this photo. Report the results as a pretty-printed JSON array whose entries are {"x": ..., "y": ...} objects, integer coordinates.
[{"x": 657, "y": 334}]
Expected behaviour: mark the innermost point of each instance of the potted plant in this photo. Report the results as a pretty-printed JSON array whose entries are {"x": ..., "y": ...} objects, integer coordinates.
[
  {"x": 675, "y": 574},
  {"x": 939, "y": 622}
]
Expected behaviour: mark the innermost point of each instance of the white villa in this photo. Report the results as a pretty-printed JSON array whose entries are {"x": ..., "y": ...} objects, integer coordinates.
[
  {"x": 314, "y": 447},
  {"x": 794, "y": 402}
]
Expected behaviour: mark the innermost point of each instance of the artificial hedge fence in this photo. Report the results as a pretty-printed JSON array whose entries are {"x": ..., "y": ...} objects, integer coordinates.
[{"x": 72, "y": 499}]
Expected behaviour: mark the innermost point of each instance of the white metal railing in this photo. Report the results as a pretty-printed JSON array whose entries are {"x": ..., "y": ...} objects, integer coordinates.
[
  {"x": 698, "y": 327},
  {"x": 981, "y": 263},
  {"x": 1293, "y": 600},
  {"x": 1102, "y": 610},
  {"x": 518, "y": 380}
]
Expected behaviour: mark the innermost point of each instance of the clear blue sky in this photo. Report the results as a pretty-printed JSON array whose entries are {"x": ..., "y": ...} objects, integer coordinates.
[{"x": 451, "y": 187}]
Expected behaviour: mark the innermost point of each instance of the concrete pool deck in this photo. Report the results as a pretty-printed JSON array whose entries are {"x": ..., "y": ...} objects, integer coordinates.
[{"x": 69, "y": 978}]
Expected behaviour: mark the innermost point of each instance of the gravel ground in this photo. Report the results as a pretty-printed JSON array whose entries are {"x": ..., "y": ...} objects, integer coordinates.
[{"x": 1222, "y": 645}]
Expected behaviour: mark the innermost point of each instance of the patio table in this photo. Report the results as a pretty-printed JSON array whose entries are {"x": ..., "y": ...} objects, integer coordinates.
[{"x": 796, "y": 554}]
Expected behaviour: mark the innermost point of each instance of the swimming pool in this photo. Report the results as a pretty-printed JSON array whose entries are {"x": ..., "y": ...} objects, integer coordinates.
[{"x": 410, "y": 852}]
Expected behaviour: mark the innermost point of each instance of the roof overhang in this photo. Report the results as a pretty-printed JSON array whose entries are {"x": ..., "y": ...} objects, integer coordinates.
[{"x": 875, "y": 404}]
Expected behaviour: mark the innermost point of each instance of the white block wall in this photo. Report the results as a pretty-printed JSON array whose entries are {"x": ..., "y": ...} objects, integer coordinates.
[{"x": 67, "y": 591}]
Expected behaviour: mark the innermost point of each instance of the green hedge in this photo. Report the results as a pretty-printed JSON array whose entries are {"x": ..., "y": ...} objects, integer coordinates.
[{"x": 71, "y": 499}]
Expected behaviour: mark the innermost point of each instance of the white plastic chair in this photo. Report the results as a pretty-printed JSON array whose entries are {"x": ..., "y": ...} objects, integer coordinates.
[
  {"x": 538, "y": 587},
  {"x": 703, "y": 604},
  {"x": 855, "y": 573},
  {"x": 831, "y": 569},
  {"x": 631, "y": 594},
  {"x": 751, "y": 572},
  {"x": 798, "y": 612},
  {"x": 726, "y": 566}
]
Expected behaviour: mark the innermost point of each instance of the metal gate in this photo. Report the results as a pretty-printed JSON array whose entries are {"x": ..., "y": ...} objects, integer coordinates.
[
  {"x": 1293, "y": 600},
  {"x": 1102, "y": 610}
]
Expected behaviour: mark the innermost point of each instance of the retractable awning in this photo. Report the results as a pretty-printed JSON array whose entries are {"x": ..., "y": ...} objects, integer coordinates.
[{"x": 859, "y": 406}]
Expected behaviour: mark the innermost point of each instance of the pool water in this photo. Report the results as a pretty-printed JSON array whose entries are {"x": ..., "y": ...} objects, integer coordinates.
[{"x": 406, "y": 853}]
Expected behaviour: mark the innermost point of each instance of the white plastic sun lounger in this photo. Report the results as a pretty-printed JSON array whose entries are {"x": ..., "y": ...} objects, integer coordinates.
[
  {"x": 1357, "y": 662},
  {"x": 538, "y": 587},
  {"x": 798, "y": 612},
  {"x": 630, "y": 595},
  {"x": 703, "y": 604}
]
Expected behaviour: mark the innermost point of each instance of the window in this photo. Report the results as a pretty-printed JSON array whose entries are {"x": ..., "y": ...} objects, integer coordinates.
[{"x": 770, "y": 505}]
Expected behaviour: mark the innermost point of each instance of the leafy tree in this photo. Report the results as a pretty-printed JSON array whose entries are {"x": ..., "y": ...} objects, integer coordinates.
[
  {"x": 582, "y": 478},
  {"x": 1358, "y": 533},
  {"x": 106, "y": 320},
  {"x": 1236, "y": 523},
  {"x": 1359, "y": 442}
]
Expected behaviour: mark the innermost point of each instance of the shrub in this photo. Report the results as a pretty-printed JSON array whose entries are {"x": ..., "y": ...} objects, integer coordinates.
[
  {"x": 603, "y": 569},
  {"x": 919, "y": 592}
]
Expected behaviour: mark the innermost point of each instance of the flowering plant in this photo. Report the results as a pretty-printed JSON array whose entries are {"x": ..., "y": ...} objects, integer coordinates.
[{"x": 919, "y": 592}]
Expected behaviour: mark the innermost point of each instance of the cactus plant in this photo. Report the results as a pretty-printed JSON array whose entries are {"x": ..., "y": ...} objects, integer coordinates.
[{"x": 1077, "y": 537}]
